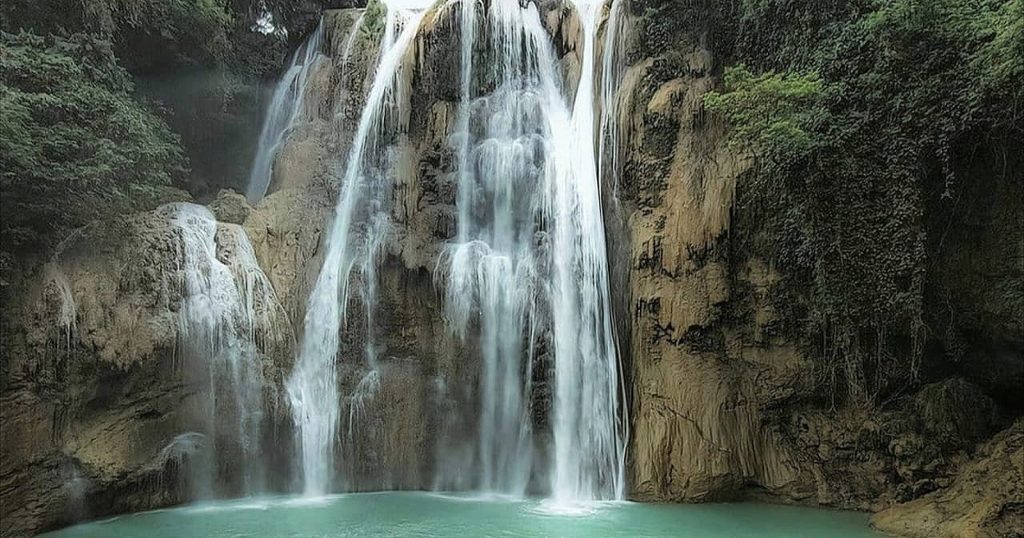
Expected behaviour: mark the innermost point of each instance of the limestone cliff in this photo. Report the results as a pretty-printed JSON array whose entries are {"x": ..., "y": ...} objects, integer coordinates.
[
  {"x": 98, "y": 401},
  {"x": 727, "y": 401},
  {"x": 982, "y": 500}
]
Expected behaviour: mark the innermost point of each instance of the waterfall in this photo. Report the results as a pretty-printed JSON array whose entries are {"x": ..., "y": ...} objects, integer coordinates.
[
  {"x": 354, "y": 237},
  {"x": 589, "y": 441},
  {"x": 282, "y": 112},
  {"x": 524, "y": 282},
  {"x": 228, "y": 309},
  {"x": 67, "y": 310},
  {"x": 492, "y": 267},
  {"x": 611, "y": 75},
  {"x": 531, "y": 237},
  {"x": 58, "y": 286}
]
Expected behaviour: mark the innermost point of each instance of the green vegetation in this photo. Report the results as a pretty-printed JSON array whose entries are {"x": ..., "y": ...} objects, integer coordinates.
[
  {"x": 146, "y": 34},
  {"x": 107, "y": 102},
  {"x": 374, "y": 19},
  {"x": 73, "y": 141},
  {"x": 772, "y": 114},
  {"x": 867, "y": 120}
]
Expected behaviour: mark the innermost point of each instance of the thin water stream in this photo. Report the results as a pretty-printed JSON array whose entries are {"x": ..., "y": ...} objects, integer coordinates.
[
  {"x": 354, "y": 236},
  {"x": 228, "y": 310},
  {"x": 284, "y": 110}
]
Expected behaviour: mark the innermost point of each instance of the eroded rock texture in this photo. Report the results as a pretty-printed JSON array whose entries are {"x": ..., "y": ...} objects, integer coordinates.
[
  {"x": 99, "y": 404},
  {"x": 984, "y": 499},
  {"x": 727, "y": 402}
]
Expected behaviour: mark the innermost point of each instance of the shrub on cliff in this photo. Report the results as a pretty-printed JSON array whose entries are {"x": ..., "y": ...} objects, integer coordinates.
[{"x": 74, "y": 143}]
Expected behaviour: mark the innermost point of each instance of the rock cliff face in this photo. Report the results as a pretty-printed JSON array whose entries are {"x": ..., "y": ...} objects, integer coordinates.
[
  {"x": 709, "y": 373},
  {"x": 723, "y": 404},
  {"x": 728, "y": 404},
  {"x": 95, "y": 399},
  {"x": 98, "y": 402},
  {"x": 984, "y": 498}
]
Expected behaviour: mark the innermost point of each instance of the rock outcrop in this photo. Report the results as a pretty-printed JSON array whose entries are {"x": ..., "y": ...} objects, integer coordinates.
[
  {"x": 97, "y": 403},
  {"x": 986, "y": 498}
]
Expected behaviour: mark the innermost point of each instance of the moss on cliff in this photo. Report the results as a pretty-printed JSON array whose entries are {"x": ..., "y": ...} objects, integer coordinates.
[
  {"x": 830, "y": 249},
  {"x": 854, "y": 185}
]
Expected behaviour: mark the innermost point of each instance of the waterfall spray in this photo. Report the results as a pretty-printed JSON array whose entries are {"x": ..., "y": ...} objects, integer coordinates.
[
  {"x": 526, "y": 270},
  {"x": 227, "y": 309},
  {"x": 530, "y": 246}
]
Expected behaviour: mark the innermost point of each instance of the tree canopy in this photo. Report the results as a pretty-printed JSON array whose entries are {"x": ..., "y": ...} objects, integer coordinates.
[
  {"x": 73, "y": 142},
  {"x": 107, "y": 102}
]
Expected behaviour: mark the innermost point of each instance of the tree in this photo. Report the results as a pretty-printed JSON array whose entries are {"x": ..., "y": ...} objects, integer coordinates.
[{"x": 74, "y": 144}]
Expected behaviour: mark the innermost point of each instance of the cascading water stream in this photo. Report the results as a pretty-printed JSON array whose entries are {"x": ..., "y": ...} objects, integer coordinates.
[
  {"x": 611, "y": 75},
  {"x": 284, "y": 109},
  {"x": 57, "y": 282},
  {"x": 589, "y": 440},
  {"x": 228, "y": 310},
  {"x": 531, "y": 237},
  {"x": 527, "y": 268},
  {"x": 492, "y": 265},
  {"x": 365, "y": 192},
  {"x": 67, "y": 309}
]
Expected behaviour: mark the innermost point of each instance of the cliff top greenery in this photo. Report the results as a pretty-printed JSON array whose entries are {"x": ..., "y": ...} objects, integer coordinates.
[
  {"x": 74, "y": 143},
  {"x": 868, "y": 120}
]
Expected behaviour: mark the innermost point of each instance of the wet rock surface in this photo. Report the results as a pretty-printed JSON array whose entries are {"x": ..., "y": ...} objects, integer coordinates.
[{"x": 94, "y": 389}]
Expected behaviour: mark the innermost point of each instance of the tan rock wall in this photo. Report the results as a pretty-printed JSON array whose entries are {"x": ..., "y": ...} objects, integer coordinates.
[{"x": 724, "y": 403}]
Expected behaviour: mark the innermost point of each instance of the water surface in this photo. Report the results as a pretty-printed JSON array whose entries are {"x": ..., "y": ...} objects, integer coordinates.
[{"x": 399, "y": 514}]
